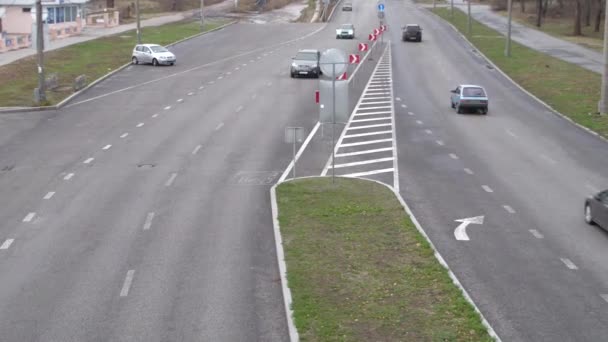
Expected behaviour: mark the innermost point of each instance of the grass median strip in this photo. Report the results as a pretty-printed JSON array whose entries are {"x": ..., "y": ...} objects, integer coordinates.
[
  {"x": 359, "y": 270},
  {"x": 93, "y": 59},
  {"x": 570, "y": 89}
]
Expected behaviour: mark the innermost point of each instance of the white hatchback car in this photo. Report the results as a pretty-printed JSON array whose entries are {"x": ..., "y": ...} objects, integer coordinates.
[{"x": 152, "y": 53}]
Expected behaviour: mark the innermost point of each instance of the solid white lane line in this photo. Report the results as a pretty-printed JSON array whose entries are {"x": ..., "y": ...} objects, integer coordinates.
[
  {"x": 370, "y": 113},
  {"x": 367, "y": 134},
  {"x": 368, "y": 173},
  {"x": 49, "y": 195},
  {"x": 509, "y": 209},
  {"x": 171, "y": 179},
  {"x": 548, "y": 159},
  {"x": 29, "y": 217},
  {"x": 374, "y": 119},
  {"x": 569, "y": 263},
  {"x": 487, "y": 188},
  {"x": 368, "y": 126},
  {"x": 107, "y": 147},
  {"x": 440, "y": 142},
  {"x": 89, "y": 160},
  {"x": 369, "y": 142},
  {"x": 453, "y": 156},
  {"x": 239, "y": 108},
  {"x": 127, "y": 284},
  {"x": 167, "y": 108},
  {"x": 419, "y": 122},
  {"x": 141, "y": 124},
  {"x": 469, "y": 171},
  {"x": 124, "y": 135},
  {"x": 7, "y": 244},
  {"x": 148, "y": 222},
  {"x": 377, "y": 150},
  {"x": 68, "y": 176},
  {"x": 428, "y": 131},
  {"x": 410, "y": 113},
  {"x": 604, "y": 296},
  {"x": 196, "y": 149},
  {"x": 180, "y": 100},
  {"x": 219, "y": 126},
  {"x": 511, "y": 133},
  {"x": 365, "y": 162},
  {"x": 536, "y": 233}
]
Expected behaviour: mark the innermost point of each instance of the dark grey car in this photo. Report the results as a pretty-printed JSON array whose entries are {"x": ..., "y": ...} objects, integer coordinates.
[
  {"x": 596, "y": 209},
  {"x": 411, "y": 32},
  {"x": 306, "y": 63}
]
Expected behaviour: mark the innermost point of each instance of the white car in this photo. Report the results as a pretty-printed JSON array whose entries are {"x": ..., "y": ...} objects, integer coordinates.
[
  {"x": 153, "y": 54},
  {"x": 346, "y": 31}
]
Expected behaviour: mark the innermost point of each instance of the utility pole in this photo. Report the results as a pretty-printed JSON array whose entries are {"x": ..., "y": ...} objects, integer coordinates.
[
  {"x": 451, "y": 8},
  {"x": 40, "y": 49},
  {"x": 508, "y": 42},
  {"x": 469, "y": 17},
  {"x": 603, "y": 105},
  {"x": 203, "y": 15},
  {"x": 138, "y": 23}
]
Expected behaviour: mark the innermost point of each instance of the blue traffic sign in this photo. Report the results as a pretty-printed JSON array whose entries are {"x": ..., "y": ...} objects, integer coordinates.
[{"x": 381, "y": 7}]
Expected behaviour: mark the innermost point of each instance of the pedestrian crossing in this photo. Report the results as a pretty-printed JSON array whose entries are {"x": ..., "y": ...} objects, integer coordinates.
[{"x": 367, "y": 146}]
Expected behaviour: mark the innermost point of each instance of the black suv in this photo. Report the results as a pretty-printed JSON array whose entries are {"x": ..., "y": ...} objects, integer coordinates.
[{"x": 412, "y": 32}]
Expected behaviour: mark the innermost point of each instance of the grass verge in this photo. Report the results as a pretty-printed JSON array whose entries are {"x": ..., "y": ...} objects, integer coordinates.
[
  {"x": 570, "y": 89},
  {"x": 94, "y": 59},
  {"x": 359, "y": 270}
]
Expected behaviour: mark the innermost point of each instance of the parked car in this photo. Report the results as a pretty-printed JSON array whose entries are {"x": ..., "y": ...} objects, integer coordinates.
[
  {"x": 411, "y": 32},
  {"x": 596, "y": 209},
  {"x": 152, "y": 53},
  {"x": 347, "y": 6},
  {"x": 306, "y": 63},
  {"x": 346, "y": 31},
  {"x": 469, "y": 97}
]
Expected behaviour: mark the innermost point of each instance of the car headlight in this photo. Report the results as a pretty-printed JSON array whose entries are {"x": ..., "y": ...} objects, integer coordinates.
[
  {"x": 294, "y": 65},
  {"x": 350, "y": 31}
]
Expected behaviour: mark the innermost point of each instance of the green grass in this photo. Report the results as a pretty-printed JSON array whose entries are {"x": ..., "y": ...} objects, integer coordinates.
[
  {"x": 94, "y": 59},
  {"x": 570, "y": 89},
  {"x": 359, "y": 270}
]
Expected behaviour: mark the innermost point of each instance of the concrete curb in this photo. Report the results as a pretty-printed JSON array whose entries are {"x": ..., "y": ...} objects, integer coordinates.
[
  {"x": 331, "y": 14},
  {"x": 283, "y": 266},
  {"x": 504, "y": 74},
  {"x": 8, "y": 110}
]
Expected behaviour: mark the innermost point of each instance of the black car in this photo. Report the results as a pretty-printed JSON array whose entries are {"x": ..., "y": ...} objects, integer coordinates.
[
  {"x": 596, "y": 209},
  {"x": 412, "y": 32}
]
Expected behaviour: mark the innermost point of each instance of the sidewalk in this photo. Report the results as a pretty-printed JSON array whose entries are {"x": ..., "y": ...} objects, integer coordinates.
[{"x": 537, "y": 40}]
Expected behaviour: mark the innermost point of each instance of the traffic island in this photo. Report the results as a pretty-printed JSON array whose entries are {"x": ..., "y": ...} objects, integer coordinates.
[{"x": 359, "y": 270}]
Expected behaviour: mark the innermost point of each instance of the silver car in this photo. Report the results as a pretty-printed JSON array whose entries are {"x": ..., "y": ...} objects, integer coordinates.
[
  {"x": 346, "y": 31},
  {"x": 469, "y": 97},
  {"x": 153, "y": 54},
  {"x": 306, "y": 63},
  {"x": 596, "y": 209}
]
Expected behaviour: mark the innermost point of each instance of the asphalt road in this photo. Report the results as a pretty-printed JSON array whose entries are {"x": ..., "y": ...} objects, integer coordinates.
[
  {"x": 140, "y": 212},
  {"x": 535, "y": 269}
]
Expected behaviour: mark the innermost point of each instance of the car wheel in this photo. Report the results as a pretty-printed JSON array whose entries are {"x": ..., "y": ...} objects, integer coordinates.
[
  {"x": 458, "y": 109},
  {"x": 154, "y": 62},
  {"x": 588, "y": 215},
  {"x": 452, "y": 104},
  {"x": 172, "y": 64},
  {"x": 134, "y": 60},
  {"x": 484, "y": 111}
]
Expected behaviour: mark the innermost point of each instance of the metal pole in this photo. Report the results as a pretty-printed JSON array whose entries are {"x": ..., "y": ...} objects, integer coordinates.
[
  {"x": 603, "y": 105},
  {"x": 138, "y": 23},
  {"x": 294, "y": 153},
  {"x": 508, "y": 42},
  {"x": 434, "y": 4},
  {"x": 452, "y": 8},
  {"x": 40, "y": 50},
  {"x": 202, "y": 15},
  {"x": 333, "y": 126},
  {"x": 469, "y": 17}
]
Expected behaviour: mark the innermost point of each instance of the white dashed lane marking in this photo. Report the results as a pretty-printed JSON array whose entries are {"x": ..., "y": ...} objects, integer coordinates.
[
  {"x": 509, "y": 209},
  {"x": 238, "y": 109},
  {"x": 428, "y": 131},
  {"x": 168, "y": 107},
  {"x": 536, "y": 233},
  {"x": 107, "y": 147},
  {"x": 29, "y": 217},
  {"x": 440, "y": 142},
  {"x": 7, "y": 243},
  {"x": 127, "y": 284},
  {"x": 219, "y": 126},
  {"x": 196, "y": 149},
  {"x": 171, "y": 179},
  {"x": 453, "y": 156},
  {"x": 124, "y": 135},
  {"x": 569, "y": 263},
  {"x": 419, "y": 122},
  {"x": 141, "y": 124},
  {"x": 487, "y": 188},
  {"x": 148, "y": 222},
  {"x": 154, "y": 116},
  {"x": 68, "y": 176},
  {"x": 49, "y": 195},
  {"x": 410, "y": 113},
  {"x": 89, "y": 160},
  {"x": 180, "y": 100},
  {"x": 468, "y": 171},
  {"x": 604, "y": 297}
]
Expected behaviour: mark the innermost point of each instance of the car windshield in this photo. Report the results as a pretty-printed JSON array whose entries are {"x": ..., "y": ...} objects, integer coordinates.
[
  {"x": 306, "y": 56},
  {"x": 347, "y": 27},
  {"x": 158, "y": 49},
  {"x": 413, "y": 28},
  {"x": 473, "y": 92}
]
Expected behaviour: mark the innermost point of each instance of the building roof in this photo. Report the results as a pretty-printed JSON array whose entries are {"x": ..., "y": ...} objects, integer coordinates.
[{"x": 32, "y": 3}]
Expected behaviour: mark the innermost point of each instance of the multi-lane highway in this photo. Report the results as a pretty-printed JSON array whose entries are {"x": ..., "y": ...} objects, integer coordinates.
[{"x": 140, "y": 212}]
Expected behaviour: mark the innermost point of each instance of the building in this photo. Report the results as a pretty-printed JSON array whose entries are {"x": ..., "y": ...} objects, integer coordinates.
[{"x": 62, "y": 18}]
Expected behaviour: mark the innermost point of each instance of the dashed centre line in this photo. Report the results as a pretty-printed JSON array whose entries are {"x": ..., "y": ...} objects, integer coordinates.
[
  {"x": 428, "y": 131},
  {"x": 167, "y": 108},
  {"x": 569, "y": 263},
  {"x": 124, "y": 135},
  {"x": 440, "y": 142},
  {"x": 453, "y": 156},
  {"x": 148, "y": 222},
  {"x": 487, "y": 188},
  {"x": 219, "y": 126},
  {"x": 196, "y": 149},
  {"x": 107, "y": 147},
  {"x": 141, "y": 124},
  {"x": 419, "y": 122},
  {"x": 29, "y": 217},
  {"x": 469, "y": 171},
  {"x": 180, "y": 100},
  {"x": 509, "y": 209},
  {"x": 49, "y": 195},
  {"x": 238, "y": 109},
  {"x": 410, "y": 113},
  {"x": 68, "y": 176},
  {"x": 89, "y": 160},
  {"x": 604, "y": 296},
  {"x": 154, "y": 116},
  {"x": 171, "y": 179},
  {"x": 7, "y": 243},
  {"x": 536, "y": 233},
  {"x": 127, "y": 284}
]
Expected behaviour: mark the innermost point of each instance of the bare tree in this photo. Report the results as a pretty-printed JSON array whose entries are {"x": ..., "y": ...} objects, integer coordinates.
[
  {"x": 588, "y": 6},
  {"x": 539, "y": 12},
  {"x": 598, "y": 16},
  {"x": 577, "y": 18}
]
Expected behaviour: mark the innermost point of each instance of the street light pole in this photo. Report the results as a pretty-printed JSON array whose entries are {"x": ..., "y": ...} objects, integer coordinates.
[
  {"x": 508, "y": 42},
  {"x": 40, "y": 49},
  {"x": 138, "y": 23},
  {"x": 603, "y": 105},
  {"x": 469, "y": 17}
]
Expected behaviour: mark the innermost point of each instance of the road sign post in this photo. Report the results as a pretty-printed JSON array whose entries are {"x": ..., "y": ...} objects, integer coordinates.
[{"x": 294, "y": 135}]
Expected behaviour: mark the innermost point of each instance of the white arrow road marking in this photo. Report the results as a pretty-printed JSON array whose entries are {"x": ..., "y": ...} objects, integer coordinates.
[{"x": 460, "y": 233}]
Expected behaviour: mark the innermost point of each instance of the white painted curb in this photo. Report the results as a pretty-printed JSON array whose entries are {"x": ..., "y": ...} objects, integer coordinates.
[
  {"x": 293, "y": 333},
  {"x": 546, "y": 105},
  {"x": 97, "y": 81}
]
